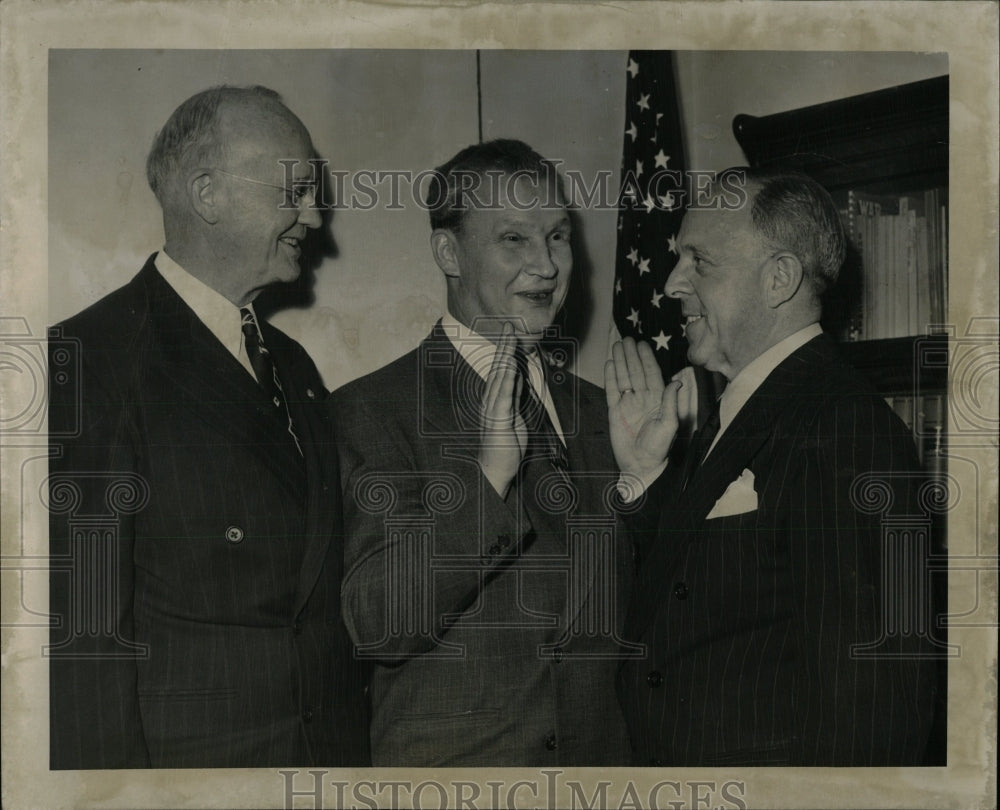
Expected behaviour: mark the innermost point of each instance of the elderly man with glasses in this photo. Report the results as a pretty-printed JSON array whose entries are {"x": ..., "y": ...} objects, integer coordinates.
[{"x": 199, "y": 624}]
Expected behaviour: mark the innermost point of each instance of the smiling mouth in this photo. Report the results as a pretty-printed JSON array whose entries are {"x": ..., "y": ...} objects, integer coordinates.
[
  {"x": 692, "y": 319},
  {"x": 538, "y": 297},
  {"x": 291, "y": 241}
]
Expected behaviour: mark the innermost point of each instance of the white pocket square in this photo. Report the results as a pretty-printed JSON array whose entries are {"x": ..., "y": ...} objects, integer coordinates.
[{"x": 739, "y": 497}]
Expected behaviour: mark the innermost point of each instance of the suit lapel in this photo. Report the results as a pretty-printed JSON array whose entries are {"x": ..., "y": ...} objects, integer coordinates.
[
  {"x": 323, "y": 506},
  {"x": 207, "y": 382},
  {"x": 449, "y": 391},
  {"x": 682, "y": 518}
]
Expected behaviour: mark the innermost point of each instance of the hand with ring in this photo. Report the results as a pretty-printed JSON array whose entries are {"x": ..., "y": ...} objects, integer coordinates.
[{"x": 642, "y": 425}]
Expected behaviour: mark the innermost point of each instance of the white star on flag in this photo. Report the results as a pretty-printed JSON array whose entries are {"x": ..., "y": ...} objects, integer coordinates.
[
  {"x": 651, "y": 211},
  {"x": 672, "y": 244}
]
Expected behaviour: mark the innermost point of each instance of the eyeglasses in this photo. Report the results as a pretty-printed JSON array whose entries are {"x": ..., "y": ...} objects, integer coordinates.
[{"x": 299, "y": 191}]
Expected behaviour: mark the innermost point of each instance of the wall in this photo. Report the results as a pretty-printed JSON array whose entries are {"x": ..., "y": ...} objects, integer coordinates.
[
  {"x": 407, "y": 110},
  {"x": 378, "y": 292},
  {"x": 715, "y": 86}
]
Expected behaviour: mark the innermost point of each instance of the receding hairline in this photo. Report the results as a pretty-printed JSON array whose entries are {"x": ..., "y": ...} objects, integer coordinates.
[{"x": 255, "y": 120}]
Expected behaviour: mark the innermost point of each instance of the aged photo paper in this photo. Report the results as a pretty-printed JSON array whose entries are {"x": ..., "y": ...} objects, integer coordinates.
[{"x": 402, "y": 86}]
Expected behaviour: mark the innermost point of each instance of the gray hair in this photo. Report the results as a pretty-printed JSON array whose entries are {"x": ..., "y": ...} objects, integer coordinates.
[
  {"x": 190, "y": 136},
  {"x": 794, "y": 212}
]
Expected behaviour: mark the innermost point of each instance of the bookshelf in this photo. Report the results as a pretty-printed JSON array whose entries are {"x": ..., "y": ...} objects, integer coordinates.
[{"x": 883, "y": 156}]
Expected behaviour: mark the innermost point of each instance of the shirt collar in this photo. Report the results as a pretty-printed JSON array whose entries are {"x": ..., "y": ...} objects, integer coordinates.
[
  {"x": 744, "y": 384},
  {"x": 479, "y": 351},
  {"x": 218, "y": 313}
]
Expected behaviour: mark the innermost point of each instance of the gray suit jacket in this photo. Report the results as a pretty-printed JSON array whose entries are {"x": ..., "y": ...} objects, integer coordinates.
[{"x": 494, "y": 624}]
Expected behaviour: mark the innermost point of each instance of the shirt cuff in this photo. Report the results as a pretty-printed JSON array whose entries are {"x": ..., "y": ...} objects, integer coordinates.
[{"x": 631, "y": 487}]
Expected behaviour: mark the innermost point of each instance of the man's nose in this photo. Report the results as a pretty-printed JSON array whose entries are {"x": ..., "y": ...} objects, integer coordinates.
[
  {"x": 677, "y": 282},
  {"x": 541, "y": 262},
  {"x": 309, "y": 213}
]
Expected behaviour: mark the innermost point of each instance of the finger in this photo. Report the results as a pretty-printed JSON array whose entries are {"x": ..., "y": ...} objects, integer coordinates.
[
  {"x": 687, "y": 400},
  {"x": 622, "y": 382},
  {"x": 501, "y": 370},
  {"x": 611, "y": 391},
  {"x": 650, "y": 368},
  {"x": 510, "y": 380},
  {"x": 636, "y": 373},
  {"x": 668, "y": 402}
]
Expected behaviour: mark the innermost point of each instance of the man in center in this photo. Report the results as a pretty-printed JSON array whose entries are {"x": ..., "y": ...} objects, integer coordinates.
[{"x": 484, "y": 573}]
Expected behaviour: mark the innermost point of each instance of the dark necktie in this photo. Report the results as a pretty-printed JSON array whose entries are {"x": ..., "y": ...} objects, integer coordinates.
[
  {"x": 267, "y": 373},
  {"x": 543, "y": 441},
  {"x": 700, "y": 444}
]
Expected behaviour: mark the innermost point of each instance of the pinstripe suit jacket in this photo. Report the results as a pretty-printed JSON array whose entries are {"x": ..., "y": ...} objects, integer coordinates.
[
  {"x": 197, "y": 559},
  {"x": 511, "y": 660},
  {"x": 749, "y": 619}
]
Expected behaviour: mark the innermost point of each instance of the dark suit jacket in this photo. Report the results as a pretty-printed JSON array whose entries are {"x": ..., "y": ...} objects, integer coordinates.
[
  {"x": 439, "y": 569},
  {"x": 750, "y": 618},
  {"x": 197, "y": 557}
]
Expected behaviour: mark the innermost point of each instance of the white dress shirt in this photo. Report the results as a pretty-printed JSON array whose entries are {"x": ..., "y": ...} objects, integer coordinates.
[{"x": 743, "y": 385}]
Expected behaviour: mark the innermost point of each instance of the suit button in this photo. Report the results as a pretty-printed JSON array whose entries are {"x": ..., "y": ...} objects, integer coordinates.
[
  {"x": 550, "y": 743},
  {"x": 234, "y": 534},
  {"x": 654, "y": 678},
  {"x": 297, "y": 626},
  {"x": 557, "y": 656},
  {"x": 503, "y": 540},
  {"x": 307, "y": 716},
  {"x": 656, "y": 763},
  {"x": 495, "y": 549},
  {"x": 681, "y": 590}
]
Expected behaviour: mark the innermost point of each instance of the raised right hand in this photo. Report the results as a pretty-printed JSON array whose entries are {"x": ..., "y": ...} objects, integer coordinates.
[
  {"x": 503, "y": 436},
  {"x": 642, "y": 411}
]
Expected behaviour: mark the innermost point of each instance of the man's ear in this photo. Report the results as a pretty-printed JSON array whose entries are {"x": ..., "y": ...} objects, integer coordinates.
[
  {"x": 201, "y": 194},
  {"x": 444, "y": 246},
  {"x": 783, "y": 279}
]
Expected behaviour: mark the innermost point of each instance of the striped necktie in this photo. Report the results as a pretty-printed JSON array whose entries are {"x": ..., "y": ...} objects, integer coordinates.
[
  {"x": 267, "y": 373},
  {"x": 543, "y": 441}
]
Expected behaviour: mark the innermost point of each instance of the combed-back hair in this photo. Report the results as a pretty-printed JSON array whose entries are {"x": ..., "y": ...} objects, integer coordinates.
[
  {"x": 473, "y": 174},
  {"x": 795, "y": 213},
  {"x": 190, "y": 137}
]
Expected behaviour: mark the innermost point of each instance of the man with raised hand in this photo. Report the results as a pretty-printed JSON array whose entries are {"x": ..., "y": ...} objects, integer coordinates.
[
  {"x": 483, "y": 573},
  {"x": 784, "y": 623}
]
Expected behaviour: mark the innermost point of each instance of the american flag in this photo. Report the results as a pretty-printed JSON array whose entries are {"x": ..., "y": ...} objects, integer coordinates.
[{"x": 650, "y": 210}]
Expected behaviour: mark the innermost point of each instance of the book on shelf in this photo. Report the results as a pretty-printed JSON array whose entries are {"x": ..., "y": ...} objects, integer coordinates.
[{"x": 901, "y": 242}]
